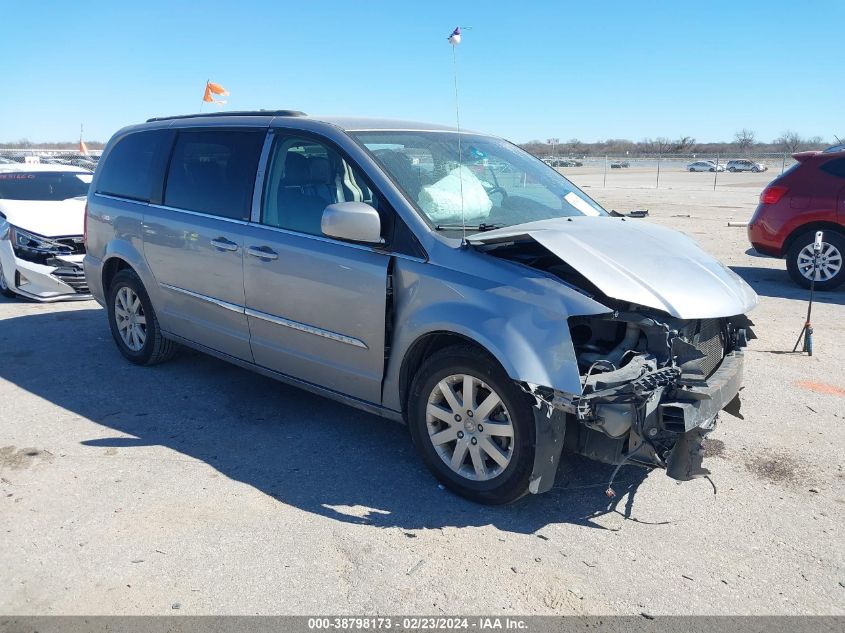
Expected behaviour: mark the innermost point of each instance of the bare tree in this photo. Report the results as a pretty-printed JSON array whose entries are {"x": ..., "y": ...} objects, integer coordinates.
[
  {"x": 684, "y": 144},
  {"x": 745, "y": 139},
  {"x": 789, "y": 141},
  {"x": 574, "y": 145}
]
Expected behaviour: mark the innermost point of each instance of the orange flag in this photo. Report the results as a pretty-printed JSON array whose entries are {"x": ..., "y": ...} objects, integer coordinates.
[{"x": 213, "y": 88}]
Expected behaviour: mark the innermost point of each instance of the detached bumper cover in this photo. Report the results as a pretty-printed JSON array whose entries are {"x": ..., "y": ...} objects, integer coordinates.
[
  {"x": 696, "y": 407},
  {"x": 670, "y": 436}
]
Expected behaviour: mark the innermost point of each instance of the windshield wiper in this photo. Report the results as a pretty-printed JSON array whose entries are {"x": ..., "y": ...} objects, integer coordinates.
[{"x": 484, "y": 226}]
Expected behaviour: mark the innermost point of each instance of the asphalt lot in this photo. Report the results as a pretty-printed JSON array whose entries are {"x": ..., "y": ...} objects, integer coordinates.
[{"x": 197, "y": 487}]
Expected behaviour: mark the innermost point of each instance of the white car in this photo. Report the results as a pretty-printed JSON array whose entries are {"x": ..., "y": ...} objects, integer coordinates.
[
  {"x": 705, "y": 165},
  {"x": 42, "y": 217}
]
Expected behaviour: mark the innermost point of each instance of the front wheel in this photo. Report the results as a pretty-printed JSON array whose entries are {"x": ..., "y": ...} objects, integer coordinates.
[
  {"x": 829, "y": 272},
  {"x": 472, "y": 425},
  {"x": 133, "y": 321}
]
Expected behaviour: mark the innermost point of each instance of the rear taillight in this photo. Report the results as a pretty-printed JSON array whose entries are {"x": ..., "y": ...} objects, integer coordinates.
[
  {"x": 772, "y": 194},
  {"x": 85, "y": 228}
]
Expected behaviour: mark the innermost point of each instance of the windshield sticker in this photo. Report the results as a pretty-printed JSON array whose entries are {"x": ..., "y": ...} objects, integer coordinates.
[
  {"x": 17, "y": 176},
  {"x": 579, "y": 203}
]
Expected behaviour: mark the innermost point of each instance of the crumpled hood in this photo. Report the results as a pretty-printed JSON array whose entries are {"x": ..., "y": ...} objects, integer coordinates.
[
  {"x": 46, "y": 218},
  {"x": 639, "y": 262}
]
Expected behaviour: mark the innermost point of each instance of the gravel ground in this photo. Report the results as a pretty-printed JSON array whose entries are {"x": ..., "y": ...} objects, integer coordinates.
[{"x": 202, "y": 488}]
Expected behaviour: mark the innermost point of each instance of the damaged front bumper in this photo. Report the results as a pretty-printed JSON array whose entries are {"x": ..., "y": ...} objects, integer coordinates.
[
  {"x": 659, "y": 420},
  {"x": 56, "y": 278}
]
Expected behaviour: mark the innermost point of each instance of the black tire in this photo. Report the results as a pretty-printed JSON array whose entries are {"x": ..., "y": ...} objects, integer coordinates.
[
  {"x": 731, "y": 169},
  {"x": 156, "y": 348},
  {"x": 712, "y": 169},
  {"x": 512, "y": 482},
  {"x": 804, "y": 240},
  {"x": 691, "y": 169}
]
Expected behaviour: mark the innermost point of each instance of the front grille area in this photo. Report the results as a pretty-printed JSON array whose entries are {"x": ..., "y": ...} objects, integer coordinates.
[
  {"x": 74, "y": 243},
  {"x": 73, "y": 277},
  {"x": 708, "y": 337}
]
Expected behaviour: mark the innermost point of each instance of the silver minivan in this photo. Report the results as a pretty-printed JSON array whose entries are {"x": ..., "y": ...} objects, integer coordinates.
[{"x": 441, "y": 278}]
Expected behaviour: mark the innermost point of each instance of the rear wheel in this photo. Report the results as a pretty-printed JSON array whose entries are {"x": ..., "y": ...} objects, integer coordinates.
[
  {"x": 5, "y": 290},
  {"x": 473, "y": 427},
  {"x": 133, "y": 322},
  {"x": 731, "y": 168},
  {"x": 830, "y": 269}
]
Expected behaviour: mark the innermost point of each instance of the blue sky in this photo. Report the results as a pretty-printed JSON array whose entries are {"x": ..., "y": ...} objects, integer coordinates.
[{"x": 527, "y": 70}]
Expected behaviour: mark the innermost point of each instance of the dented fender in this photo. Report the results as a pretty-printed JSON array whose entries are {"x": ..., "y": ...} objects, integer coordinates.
[{"x": 522, "y": 322}]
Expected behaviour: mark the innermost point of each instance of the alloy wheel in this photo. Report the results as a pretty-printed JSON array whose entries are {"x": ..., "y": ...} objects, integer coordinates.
[
  {"x": 130, "y": 318},
  {"x": 829, "y": 262},
  {"x": 470, "y": 427}
]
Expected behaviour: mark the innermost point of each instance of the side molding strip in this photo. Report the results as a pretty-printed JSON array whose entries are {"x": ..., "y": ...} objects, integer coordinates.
[
  {"x": 309, "y": 329},
  {"x": 223, "y": 304},
  {"x": 294, "y": 325}
]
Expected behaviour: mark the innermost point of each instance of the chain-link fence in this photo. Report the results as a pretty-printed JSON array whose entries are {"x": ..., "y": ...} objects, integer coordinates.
[
  {"x": 687, "y": 171},
  {"x": 50, "y": 156}
]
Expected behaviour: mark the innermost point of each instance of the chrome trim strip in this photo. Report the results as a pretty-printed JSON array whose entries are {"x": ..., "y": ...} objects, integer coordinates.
[
  {"x": 308, "y": 329},
  {"x": 218, "y": 302},
  {"x": 198, "y": 214},
  {"x": 119, "y": 199}
]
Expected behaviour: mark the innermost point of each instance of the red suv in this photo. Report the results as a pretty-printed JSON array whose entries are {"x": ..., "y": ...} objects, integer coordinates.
[{"x": 807, "y": 197}]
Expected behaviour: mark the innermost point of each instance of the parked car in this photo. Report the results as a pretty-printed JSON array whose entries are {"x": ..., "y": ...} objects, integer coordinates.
[
  {"x": 619, "y": 164},
  {"x": 468, "y": 303},
  {"x": 745, "y": 165},
  {"x": 705, "y": 165},
  {"x": 42, "y": 209},
  {"x": 807, "y": 197}
]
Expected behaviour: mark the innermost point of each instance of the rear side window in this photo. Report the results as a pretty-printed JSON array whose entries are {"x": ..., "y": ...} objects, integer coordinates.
[
  {"x": 835, "y": 167},
  {"x": 128, "y": 170},
  {"x": 213, "y": 171}
]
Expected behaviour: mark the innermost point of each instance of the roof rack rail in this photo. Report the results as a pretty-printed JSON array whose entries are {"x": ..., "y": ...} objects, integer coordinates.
[{"x": 232, "y": 113}]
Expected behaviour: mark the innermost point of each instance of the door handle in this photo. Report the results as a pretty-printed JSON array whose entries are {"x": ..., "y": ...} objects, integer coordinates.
[
  {"x": 223, "y": 244},
  {"x": 262, "y": 252}
]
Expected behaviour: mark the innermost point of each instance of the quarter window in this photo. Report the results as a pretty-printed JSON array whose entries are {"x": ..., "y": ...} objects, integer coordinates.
[
  {"x": 213, "y": 171},
  {"x": 129, "y": 168},
  {"x": 835, "y": 167}
]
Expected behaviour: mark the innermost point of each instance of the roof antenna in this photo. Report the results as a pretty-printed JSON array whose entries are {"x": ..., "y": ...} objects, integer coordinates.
[{"x": 454, "y": 39}]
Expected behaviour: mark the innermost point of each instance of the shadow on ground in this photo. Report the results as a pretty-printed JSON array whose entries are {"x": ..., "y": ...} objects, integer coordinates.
[
  {"x": 772, "y": 282},
  {"x": 300, "y": 449}
]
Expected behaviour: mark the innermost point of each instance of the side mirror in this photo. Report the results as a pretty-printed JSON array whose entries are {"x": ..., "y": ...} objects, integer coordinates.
[{"x": 352, "y": 222}]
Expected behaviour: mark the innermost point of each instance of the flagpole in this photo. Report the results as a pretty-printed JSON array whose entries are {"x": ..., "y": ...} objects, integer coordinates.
[
  {"x": 460, "y": 156},
  {"x": 202, "y": 103}
]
